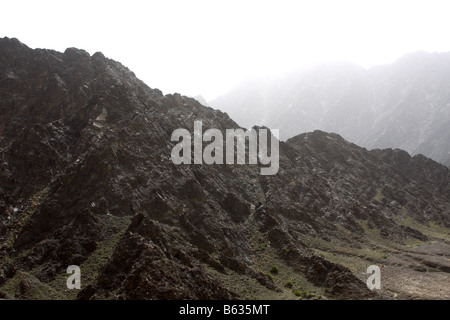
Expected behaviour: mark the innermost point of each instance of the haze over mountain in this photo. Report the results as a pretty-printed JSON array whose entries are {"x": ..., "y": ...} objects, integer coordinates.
[
  {"x": 86, "y": 179},
  {"x": 403, "y": 105}
]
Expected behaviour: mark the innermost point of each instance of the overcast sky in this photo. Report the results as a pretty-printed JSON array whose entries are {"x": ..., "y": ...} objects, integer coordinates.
[{"x": 206, "y": 47}]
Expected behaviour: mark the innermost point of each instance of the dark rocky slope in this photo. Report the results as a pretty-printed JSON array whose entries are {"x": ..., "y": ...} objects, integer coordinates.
[{"x": 86, "y": 179}]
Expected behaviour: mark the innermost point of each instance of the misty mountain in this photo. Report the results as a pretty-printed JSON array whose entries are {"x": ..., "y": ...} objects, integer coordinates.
[
  {"x": 202, "y": 100},
  {"x": 86, "y": 179},
  {"x": 403, "y": 105}
]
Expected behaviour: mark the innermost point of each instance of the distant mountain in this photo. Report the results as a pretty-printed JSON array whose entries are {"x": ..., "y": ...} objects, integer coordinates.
[
  {"x": 403, "y": 105},
  {"x": 202, "y": 100},
  {"x": 86, "y": 179}
]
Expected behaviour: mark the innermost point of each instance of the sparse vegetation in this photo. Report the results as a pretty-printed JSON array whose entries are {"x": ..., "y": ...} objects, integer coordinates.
[
  {"x": 274, "y": 270},
  {"x": 289, "y": 284},
  {"x": 379, "y": 196}
]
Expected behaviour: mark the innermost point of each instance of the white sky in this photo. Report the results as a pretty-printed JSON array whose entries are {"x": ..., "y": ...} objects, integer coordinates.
[{"x": 207, "y": 46}]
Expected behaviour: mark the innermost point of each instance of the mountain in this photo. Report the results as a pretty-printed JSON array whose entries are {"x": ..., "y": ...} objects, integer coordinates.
[
  {"x": 202, "y": 100},
  {"x": 87, "y": 179},
  {"x": 403, "y": 105}
]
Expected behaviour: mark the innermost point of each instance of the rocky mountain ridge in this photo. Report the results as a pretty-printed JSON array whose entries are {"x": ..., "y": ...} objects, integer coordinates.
[{"x": 86, "y": 179}]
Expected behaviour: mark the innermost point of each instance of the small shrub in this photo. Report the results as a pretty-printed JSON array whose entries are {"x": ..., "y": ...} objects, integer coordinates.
[
  {"x": 274, "y": 270},
  {"x": 289, "y": 284},
  {"x": 310, "y": 295},
  {"x": 297, "y": 293},
  {"x": 268, "y": 275},
  {"x": 379, "y": 196}
]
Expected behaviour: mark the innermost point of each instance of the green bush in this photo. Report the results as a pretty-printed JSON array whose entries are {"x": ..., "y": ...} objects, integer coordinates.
[
  {"x": 289, "y": 284},
  {"x": 274, "y": 270},
  {"x": 297, "y": 293}
]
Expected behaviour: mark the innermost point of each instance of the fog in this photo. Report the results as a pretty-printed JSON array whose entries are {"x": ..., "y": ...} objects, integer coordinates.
[{"x": 206, "y": 47}]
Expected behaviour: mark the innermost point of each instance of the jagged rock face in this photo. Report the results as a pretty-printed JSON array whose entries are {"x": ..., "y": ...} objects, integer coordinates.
[
  {"x": 400, "y": 105},
  {"x": 326, "y": 180},
  {"x": 86, "y": 178}
]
